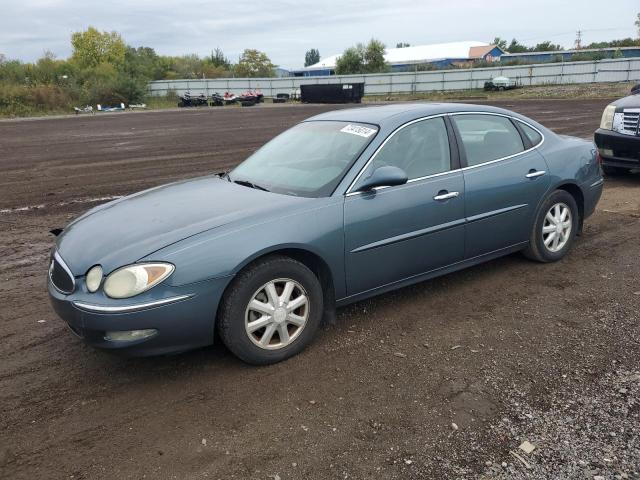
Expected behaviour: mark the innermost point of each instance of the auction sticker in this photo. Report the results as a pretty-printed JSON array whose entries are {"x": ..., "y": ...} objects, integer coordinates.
[{"x": 365, "y": 132}]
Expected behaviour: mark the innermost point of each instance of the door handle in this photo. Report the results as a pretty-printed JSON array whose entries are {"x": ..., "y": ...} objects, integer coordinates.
[
  {"x": 535, "y": 173},
  {"x": 444, "y": 195}
]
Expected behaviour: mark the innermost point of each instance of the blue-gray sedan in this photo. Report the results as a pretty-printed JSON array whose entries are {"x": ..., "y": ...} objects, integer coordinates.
[{"x": 343, "y": 206}]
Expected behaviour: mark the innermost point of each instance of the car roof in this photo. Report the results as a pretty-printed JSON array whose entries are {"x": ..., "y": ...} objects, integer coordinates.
[{"x": 399, "y": 113}]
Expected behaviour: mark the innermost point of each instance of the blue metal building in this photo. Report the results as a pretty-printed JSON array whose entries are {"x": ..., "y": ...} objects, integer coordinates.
[
  {"x": 569, "y": 55},
  {"x": 411, "y": 58}
]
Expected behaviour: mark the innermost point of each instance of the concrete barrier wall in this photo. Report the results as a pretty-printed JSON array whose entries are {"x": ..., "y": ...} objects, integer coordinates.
[{"x": 613, "y": 70}]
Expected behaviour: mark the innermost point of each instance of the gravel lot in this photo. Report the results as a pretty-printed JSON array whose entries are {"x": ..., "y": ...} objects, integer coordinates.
[{"x": 439, "y": 380}]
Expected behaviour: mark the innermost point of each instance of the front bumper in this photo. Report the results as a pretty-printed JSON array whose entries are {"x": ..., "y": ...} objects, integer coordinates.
[
  {"x": 184, "y": 316},
  {"x": 624, "y": 149}
]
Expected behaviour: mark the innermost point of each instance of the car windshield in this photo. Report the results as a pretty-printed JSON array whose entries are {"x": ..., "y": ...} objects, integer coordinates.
[{"x": 307, "y": 160}]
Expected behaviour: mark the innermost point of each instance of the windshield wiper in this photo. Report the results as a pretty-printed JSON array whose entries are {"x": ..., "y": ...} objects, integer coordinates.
[{"x": 246, "y": 183}]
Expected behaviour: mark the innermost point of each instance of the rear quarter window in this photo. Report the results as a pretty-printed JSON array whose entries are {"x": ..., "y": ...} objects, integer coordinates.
[{"x": 531, "y": 134}]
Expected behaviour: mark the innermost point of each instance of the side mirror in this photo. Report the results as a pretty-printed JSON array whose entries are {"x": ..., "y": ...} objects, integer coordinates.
[{"x": 386, "y": 176}]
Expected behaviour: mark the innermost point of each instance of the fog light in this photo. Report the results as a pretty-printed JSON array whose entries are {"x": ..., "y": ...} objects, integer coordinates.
[
  {"x": 606, "y": 152},
  {"x": 129, "y": 335}
]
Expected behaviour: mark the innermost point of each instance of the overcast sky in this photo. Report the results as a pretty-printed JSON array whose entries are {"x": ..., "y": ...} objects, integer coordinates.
[{"x": 285, "y": 29}]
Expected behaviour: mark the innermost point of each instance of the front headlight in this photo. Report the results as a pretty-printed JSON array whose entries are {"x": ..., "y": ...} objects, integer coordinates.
[
  {"x": 135, "y": 279},
  {"x": 607, "y": 117}
]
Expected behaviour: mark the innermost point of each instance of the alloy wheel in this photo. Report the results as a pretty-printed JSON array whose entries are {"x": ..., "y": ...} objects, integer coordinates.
[
  {"x": 277, "y": 313},
  {"x": 557, "y": 227}
]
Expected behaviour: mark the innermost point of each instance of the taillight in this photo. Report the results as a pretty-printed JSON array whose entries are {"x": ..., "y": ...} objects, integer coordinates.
[{"x": 598, "y": 157}]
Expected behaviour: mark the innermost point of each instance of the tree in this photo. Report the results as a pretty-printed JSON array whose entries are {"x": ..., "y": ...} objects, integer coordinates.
[
  {"x": 361, "y": 59},
  {"x": 374, "y": 57},
  {"x": 625, "y": 42},
  {"x": 351, "y": 61},
  {"x": 500, "y": 43},
  {"x": 91, "y": 48},
  {"x": 516, "y": 47},
  {"x": 219, "y": 60},
  {"x": 311, "y": 57},
  {"x": 254, "y": 63},
  {"x": 402, "y": 45},
  {"x": 144, "y": 63},
  {"x": 637, "y": 23},
  {"x": 547, "y": 47}
]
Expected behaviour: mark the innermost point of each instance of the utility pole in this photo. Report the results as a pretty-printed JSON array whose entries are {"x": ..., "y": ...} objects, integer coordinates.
[{"x": 578, "y": 42}]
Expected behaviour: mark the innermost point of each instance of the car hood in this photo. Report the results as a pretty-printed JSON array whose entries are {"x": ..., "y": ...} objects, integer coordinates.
[
  {"x": 632, "y": 101},
  {"x": 123, "y": 231}
]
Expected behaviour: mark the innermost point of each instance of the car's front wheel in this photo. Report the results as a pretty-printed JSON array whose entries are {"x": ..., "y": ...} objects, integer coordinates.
[
  {"x": 555, "y": 228},
  {"x": 271, "y": 310}
]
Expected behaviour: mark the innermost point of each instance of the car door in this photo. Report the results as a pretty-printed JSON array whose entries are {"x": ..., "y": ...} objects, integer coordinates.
[
  {"x": 505, "y": 179},
  {"x": 393, "y": 233}
]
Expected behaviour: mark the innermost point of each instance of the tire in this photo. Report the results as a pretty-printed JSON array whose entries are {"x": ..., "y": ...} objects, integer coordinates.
[
  {"x": 552, "y": 251},
  {"x": 613, "y": 171},
  {"x": 250, "y": 285}
]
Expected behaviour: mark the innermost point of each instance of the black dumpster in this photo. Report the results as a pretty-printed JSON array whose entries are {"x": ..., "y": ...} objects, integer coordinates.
[{"x": 332, "y": 93}]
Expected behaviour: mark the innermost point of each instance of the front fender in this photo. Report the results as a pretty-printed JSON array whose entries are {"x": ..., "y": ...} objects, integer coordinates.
[{"x": 225, "y": 251}]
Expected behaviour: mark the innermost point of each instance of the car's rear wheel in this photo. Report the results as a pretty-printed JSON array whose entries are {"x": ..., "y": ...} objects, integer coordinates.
[
  {"x": 555, "y": 228},
  {"x": 613, "y": 171},
  {"x": 271, "y": 310}
]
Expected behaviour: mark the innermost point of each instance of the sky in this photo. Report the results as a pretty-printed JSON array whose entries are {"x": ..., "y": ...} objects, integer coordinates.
[{"x": 286, "y": 29}]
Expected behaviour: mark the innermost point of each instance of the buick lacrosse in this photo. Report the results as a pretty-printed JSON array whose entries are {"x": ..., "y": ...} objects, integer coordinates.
[{"x": 343, "y": 206}]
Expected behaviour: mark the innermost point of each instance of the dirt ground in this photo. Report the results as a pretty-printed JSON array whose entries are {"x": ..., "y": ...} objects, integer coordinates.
[{"x": 438, "y": 380}]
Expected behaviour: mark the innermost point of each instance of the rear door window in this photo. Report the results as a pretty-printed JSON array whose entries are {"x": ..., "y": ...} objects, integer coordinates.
[{"x": 487, "y": 137}]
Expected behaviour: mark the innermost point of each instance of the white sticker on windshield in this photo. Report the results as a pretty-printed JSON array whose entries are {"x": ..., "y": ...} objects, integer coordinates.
[{"x": 365, "y": 132}]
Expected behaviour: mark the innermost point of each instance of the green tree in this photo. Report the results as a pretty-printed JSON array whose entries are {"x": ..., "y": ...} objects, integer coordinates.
[
  {"x": 517, "y": 47},
  {"x": 143, "y": 62},
  {"x": 361, "y": 59},
  {"x": 187, "y": 66},
  {"x": 218, "y": 59},
  {"x": 547, "y": 47},
  {"x": 374, "y": 57},
  {"x": 351, "y": 61},
  {"x": 254, "y": 63},
  {"x": 311, "y": 57},
  {"x": 500, "y": 43},
  {"x": 624, "y": 42},
  {"x": 91, "y": 48}
]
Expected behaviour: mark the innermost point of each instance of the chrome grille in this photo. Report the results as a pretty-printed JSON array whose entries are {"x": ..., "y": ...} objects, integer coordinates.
[
  {"x": 630, "y": 120},
  {"x": 60, "y": 275}
]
